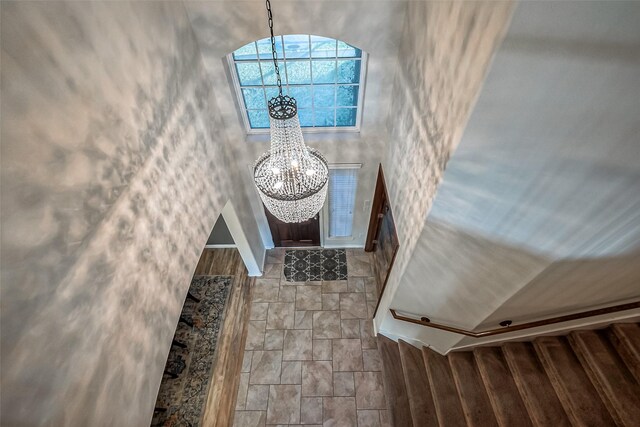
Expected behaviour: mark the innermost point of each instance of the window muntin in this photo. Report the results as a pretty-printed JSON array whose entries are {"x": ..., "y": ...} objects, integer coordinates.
[{"x": 323, "y": 74}]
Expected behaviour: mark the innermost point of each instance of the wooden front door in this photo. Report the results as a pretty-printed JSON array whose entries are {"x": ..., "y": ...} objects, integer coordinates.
[
  {"x": 382, "y": 238},
  {"x": 294, "y": 234}
]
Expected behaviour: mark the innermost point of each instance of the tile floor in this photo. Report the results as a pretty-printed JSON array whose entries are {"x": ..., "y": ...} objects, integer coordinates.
[{"x": 311, "y": 358}]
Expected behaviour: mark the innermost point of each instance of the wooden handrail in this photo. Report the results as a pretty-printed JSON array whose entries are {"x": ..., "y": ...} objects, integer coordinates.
[{"x": 506, "y": 329}]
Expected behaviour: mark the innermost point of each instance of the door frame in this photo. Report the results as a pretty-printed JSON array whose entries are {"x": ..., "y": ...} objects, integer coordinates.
[{"x": 380, "y": 195}]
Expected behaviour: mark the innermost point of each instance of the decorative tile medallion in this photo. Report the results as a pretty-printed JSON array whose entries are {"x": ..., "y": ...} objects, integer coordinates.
[
  {"x": 306, "y": 265},
  {"x": 181, "y": 400}
]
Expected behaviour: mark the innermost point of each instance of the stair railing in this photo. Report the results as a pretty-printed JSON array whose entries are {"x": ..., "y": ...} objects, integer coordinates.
[{"x": 506, "y": 326}]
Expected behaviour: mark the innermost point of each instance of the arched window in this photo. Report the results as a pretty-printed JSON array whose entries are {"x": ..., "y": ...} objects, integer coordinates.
[{"x": 326, "y": 76}]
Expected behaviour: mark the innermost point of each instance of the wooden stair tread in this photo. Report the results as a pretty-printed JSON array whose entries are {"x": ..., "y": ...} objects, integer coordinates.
[
  {"x": 394, "y": 385},
  {"x": 443, "y": 390},
  {"x": 609, "y": 374},
  {"x": 423, "y": 411},
  {"x": 501, "y": 387},
  {"x": 571, "y": 383},
  {"x": 473, "y": 395},
  {"x": 534, "y": 386},
  {"x": 625, "y": 337}
]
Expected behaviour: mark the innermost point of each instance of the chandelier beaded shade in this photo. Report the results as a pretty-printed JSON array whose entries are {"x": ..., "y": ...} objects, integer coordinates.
[{"x": 291, "y": 178}]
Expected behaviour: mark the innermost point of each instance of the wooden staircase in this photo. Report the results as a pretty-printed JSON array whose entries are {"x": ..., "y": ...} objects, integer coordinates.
[{"x": 588, "y": 378}]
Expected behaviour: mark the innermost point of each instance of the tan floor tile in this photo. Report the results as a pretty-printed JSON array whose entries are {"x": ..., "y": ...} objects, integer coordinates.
[
  {"x": 371, "y": 309},
  {"x": 347, "y": 355},
  {"x": 246, "y": 361},
  {"x": 275, "y": 255},
  {"x": 371, "y": 360},
  {"x": 366, "y": 334},
  {"x": 257, "y": 398},
  {"x": 317, "y": 378},
  {"x": 273, "y": 339},
  {"x": 284, "y": 404},
  {"x": 255, "y": 335},
  {"x": 350, "y": 328},
  {"x": 326, "y": 324},
  {"x": 303, "y": 320},
  {"x": 280, "y": 315},
  {"x": 309, "y": 298},
  {"x": 249, "y": 419},
  {"x": 259, "y": 311},
  {"x": 298, "y": 345},
  {"x": 266, "y": 290},
  {"x": 369, "y": 390},
  {"x": 353, "y": 306},
  {"x": 384, "y": 419},
  {"x": 330, "y": 302},
  {"x": 334, "y": 286},
  {"x": 355, "y": 284},
  {"x": 272, "y": 271},
  {"x": 265, "y": 367},
  {"x": 309, "y": 283},
  {"x": 343, "y": 384},
  {"x": 291, "y": 373},
  {"x": 241, "y": 397},
  {"x": 311, "y": 410},
  {"x": 322, "y": 350},
  {"x": 370, "y": 287},
  {"x": 359, "y": 266},
  {"x": 287, "y": 294},
  {"x": 368, "y": 418},
  {"x": 339, "y": 412}
]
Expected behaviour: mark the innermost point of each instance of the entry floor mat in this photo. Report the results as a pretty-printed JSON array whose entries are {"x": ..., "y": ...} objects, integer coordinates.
[
  {"x": 181, "y": 400},
  {"x": 307, "y": 265}
]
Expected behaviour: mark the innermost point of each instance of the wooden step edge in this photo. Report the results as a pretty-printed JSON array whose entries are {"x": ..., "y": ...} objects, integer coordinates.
[
  {"x": 540, "y": 398},
  {"x": 625, "y": 337},
  {"x": 448, "y": 408},
  {"x": 394, "y": 384},
  {"x": 423, "y": 412},
  {"x": 476, "y": 404},
  {"x": 501, "y": 388},
  {"x": 576, "y": 416},
  {"x": 609, "y": 375}
]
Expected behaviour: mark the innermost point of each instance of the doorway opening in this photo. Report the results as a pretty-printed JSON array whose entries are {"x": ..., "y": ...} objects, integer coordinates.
[
  {"x": 293, "y": 235},
  {"x": 382, "y": 238}
]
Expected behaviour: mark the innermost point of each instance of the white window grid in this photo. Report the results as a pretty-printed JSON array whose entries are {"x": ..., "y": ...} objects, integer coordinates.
[{"x": 231, "y": 61}]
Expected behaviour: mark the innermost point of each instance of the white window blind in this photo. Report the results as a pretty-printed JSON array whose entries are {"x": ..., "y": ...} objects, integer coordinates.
[{"x": 342, "y": 198}]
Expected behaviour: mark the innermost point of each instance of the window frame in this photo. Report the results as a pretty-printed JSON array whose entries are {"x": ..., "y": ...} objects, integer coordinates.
[
  {"x": 237, "y": 90},
  {"x": 333, "y": 241}
]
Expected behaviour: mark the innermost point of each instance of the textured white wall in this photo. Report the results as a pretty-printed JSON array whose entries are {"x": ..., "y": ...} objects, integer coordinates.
[
  {"x": 538, "y": 213},
  {"x": 115, "y": 166},
  {"x": 446, "y": 49},
  {"x": 374, "y": 26}
]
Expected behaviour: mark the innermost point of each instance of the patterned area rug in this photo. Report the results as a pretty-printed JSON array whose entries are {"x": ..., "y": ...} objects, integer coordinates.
[
  {"x": 182, "y": 399},
  {"x": 306, "y": 265}
]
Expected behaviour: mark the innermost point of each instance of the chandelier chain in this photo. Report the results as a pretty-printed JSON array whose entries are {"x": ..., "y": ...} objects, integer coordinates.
[{"x": 274, "y": 53}]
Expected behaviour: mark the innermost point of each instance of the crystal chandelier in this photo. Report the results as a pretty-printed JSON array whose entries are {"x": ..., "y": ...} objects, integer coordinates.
[{"x": 291, "y": 178}]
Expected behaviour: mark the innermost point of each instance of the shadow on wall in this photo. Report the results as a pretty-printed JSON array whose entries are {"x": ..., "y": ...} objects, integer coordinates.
[
  {"x": 463, "y": 277},
  {"x": 570, "y": 285}
]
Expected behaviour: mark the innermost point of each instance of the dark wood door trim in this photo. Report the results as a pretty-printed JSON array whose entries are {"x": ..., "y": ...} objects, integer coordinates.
[
  {"x": 380, "y": 196},
  {"x": 380, "y": 205}
]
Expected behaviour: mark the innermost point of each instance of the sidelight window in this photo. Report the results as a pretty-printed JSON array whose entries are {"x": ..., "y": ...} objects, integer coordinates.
[{"x": 343, "y": 183}]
